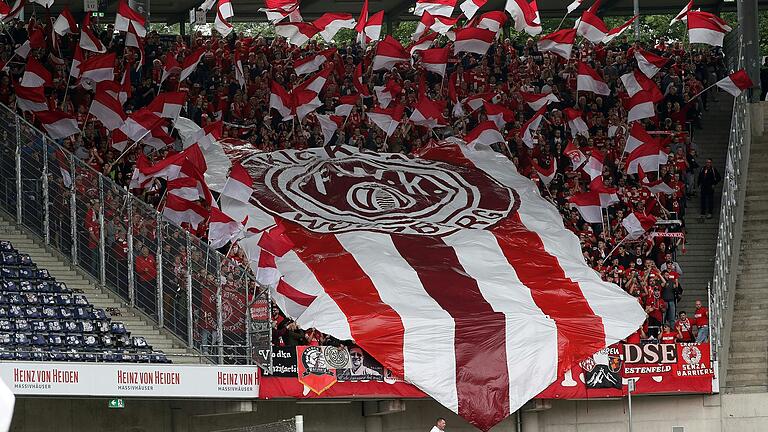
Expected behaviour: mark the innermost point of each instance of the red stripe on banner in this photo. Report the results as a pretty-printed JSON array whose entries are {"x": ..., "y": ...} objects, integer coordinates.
[
  {"x": 375, "y": 326},
  {"x": 580, "y": 333},
  {"x": 295, "y": 295},
  {"x": 482, "y": 380}
]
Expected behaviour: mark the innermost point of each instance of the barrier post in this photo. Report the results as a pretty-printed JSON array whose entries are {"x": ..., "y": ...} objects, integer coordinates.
[
  {"x": 159, "y": 263},
  {"x": 102, "y": 237},
  {"x": 129, "y": 238},
  {"x": 46, "y": 197},
  {"x": 73, "y": 206},
  {"x": 18, "y": 172},
  {"x": 191, "y": 324}
]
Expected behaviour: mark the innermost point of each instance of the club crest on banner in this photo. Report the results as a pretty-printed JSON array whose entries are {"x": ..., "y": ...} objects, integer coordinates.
[
  {"x": 339, "y": 189},
  {"x": 313, "y": 369}
]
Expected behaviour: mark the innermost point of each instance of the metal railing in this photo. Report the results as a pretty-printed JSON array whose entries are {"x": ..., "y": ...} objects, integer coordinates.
[
  {"x": 206, "y": 300},
  {"x": 721, "y": 288}
]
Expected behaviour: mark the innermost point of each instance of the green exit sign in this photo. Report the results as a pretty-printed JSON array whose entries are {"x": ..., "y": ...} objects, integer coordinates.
[{"x": 116, "y": 403}]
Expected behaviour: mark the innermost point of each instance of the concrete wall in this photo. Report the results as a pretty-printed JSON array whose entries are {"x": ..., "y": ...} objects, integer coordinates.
[{"x": 732, "y": 412}]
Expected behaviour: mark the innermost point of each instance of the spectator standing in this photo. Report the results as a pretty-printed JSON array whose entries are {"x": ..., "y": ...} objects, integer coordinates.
[
  {"x": 667, "y": 335},
  {"x": 439, "y": 425},
  {"x": 701, "y": 321},
  {"x": 708, "y": 178},
  {"x": 684, "y": 328},
  {"x": 668, "y": 292},
  {"x": 146, "y": 268}
]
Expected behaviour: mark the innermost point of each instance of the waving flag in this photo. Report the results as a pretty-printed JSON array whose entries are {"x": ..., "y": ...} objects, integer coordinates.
[
  {"x": 589, "y": 80},
  {"x": 636, "y": 81},
  {"x": 523, "y": 16},
  {"x": 423, "y": 43},
  {"x": 498, "y": 114},
  {"x": 573, "y": 6},
  {"x": 637, "y": 137},
  {"x": 140, "y": 124},
  {"x": 89, "y": 41},
  {"x": 389, "y": 52},
  {"x": 30, "y": 99},
  {"x": 190, "y": 63},
  {"x": 345, "y": 104},
  {"x": 648, "y": 62},
  {"x": 181, "y": 211},
  {"x": 492, "y": 20},
  {"x": 224, "y": 12},
  {"x": 168, "y": 104},
  {"x": 594, "y": 165},
  {"x": 435, "y": 60},
  {"x": 706, "y": 28},
  {"x": 647, "y": 156},
  {"x": 35, "y": 74},
  {"x": 434, "y": 7},
  {"x": 589, "y": 206},
  {"x": 297, "y": 33},
  {"x": 428, "y": 272},
  {"x": 617, "y": 31},
  {"x": 126, "y": 17},
  {"x": 485, "y": 133},
  {"x": 474, "y": 40},
  {"x": 222, "y": 229},
  {"x": 559, "y": 42},
  {"x": 637, "y": 224},
  {"x": 371, "y": 29},
  {"x": 640, "y": 106},
  {"x": 329, "y": 124},
  {"x": 313, "y": 62},
  {"x": 736, "y": 82},
  {"x": 576, "y": 156},
  {"x": 58, "y": 124},
  {"x": 683, "y": 15},
  {"x": 538, "y": 100},
  {"x": 546, "y": 175},
  {"x": 470, "y": 7},
  {"x": 330, "y": 23},
  {"x": 657, "y": 186},
  {"x": 591, "y": 27},
  {"x": 65, "y": 23},
  {"x": 531, "y": 126},
  {"x": 239, "y": 185},
  {"x": 108, "y": 110},
  {"x": 576, "y": 123},
  {"x": 98, "y": 68},
  {"x": 428, "y": 113},
  {"x": 387, "y": 119},
  {"x": 170, "y": 66}
]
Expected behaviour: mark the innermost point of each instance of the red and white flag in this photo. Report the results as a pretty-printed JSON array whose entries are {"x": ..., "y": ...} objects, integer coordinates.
[
  {"x": 576, "y": 123},
  {"x": 158, "y": 139},
  {"x": 35, "y": 74},
  {"x": 58, "y": 124},
  {"x": 222, "y": 229},
  {"x": 428, "y": 113},
  {"x": 656, "y": 186},
  {"x": 524, "y": 17},
  {"x": 706, "y": 28},
  {"x": 345, "y": 104},
  {"x": 188, "y": 188},
  {"x": 190, "y": 63},
  {"x": 435, "y": 7},
  {"x": 209, "y": 134},
  {"x": 170, "y": 66},
  {"x": 546, "y": 175},
  {"x": 529, "y": 128},
  {"x": 435, "y": 60},
  {"x": 618, "y": 31},
  {"x": 594, "y": 165},
  {"x": 313, "y": 62},
  {"x": 683, "y": 15},
  {"x": 640, "y": 106},
  {"x": 15, "y": 11},
  {"x": 559, "y": 42},
  {"x": 589, "y": 206},
  {"x": 439, "y": 24},
  {"x": 330, "y": 23},
  {"x": 389, "y": 52},
  {"x": 474, "y": 40},
  {"x": 608, "y": 196},
  {"x": 589, "y": 80},
  {"x": 140, "y": 123},
  {"x": 108, "y": 110},
  {"x": 372, "y": 28},
  {"x": 280, "y": 100},
  {"x": 576, "y": 156},
  {"x": 387, "y": 119},
  {"x": 239, "y": 184},
  {"x": 498, "y": 114},
  {"x": 647, "y": 156},
  {"x": 470, "y": 7},
  {"x": 648, "y": 62},
  {"x": 538, "y": 100},
  {"x": 126, "y": 17},
  {"x": 573, "y": 6},
  {"x": 591, "y": 27},
  {"x": 30, "y": 98},
  {"x": 88, "y": 40},
  {"x": 168, "y": 104},
  {"x": 239, "y": 71},
  {"x": 329, "y": 124},
  {"x": 636, "y": 81},
  {"x": 181, "y": 211},
  {"x": 507, "y": 276},
  {"x": 224, "y": 12},
  {"x": 297, "y": 33},
  {"x": 736, "y": 82},
  {"x": 65, "y": 23},
  {"x": 425, "y": 42},
  {"x": 637, "y": 137},
  {"x": 637, "y": 224},
  {"x": 98, "y": 68},
  {"x": 485, "y": 133},
  {"x": 493, "y": 21}
]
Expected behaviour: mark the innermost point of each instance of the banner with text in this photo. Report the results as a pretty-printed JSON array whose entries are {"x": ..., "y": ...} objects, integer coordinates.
[{"x": 84, "y": 379}]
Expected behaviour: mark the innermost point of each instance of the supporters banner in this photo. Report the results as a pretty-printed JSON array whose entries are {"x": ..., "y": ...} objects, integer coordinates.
[
  {"x": 83, "y": 379},
  {"x": 655, "y": 368}
]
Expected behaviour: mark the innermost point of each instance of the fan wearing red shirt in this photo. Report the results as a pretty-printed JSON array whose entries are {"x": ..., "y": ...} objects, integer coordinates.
[
  {"x": 146, "y": 268},
  {"x": 667, "y": 335},
  {"x": 701, "y": 321},
  {"x": 684, "y": 328}
]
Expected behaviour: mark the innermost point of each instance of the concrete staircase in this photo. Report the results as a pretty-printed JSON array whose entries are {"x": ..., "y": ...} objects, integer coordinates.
[
  {"x": 748, "y": 357},
  {"x": 701, "y": 234},
  {"x": 60, "y": 268}
]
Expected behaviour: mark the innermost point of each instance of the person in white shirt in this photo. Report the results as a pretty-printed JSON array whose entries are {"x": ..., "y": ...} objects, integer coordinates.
[{"x": 439, "y": 425}]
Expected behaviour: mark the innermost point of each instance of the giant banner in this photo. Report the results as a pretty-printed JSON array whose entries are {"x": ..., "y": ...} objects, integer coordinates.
[
  {"x": 104, "y": 379},
  {"x": 655, "y": 368}
]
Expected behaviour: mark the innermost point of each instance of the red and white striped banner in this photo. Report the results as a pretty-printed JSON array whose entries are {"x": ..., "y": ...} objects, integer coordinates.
[{"x": 450, "y": 269}]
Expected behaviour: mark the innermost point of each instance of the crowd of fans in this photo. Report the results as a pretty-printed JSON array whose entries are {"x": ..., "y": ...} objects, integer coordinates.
[{"x": 645, "y": 268}]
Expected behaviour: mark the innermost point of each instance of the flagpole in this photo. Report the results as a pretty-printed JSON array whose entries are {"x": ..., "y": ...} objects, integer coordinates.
[
  {"x": 701, "y": 92},
  {"x": 607, "y": 257},
  {"x": 562, "y": 20}
]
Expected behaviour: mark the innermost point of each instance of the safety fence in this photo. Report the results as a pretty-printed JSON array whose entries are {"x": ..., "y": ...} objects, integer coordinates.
[{"x": 206, "y": 300}]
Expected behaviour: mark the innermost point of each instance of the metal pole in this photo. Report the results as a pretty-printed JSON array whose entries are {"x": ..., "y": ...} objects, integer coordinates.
[
  {"x": 159, "y": 262},
  {"x": 129, "y": 238},
  {"x": 630, "y": 389},
  {"x": 102, "y": 236},
  {"x": 190, "y": 324},
  {"x": 46, "y": 197},
  {"x": 248, "y": 347},
  {"x": 73, "y": 207},
  {"x": 636, "y": 5},
  {"x": 18, "y": 172},
  {"x": 299, "y": 423},
  {"x": 219, "y": 316}
]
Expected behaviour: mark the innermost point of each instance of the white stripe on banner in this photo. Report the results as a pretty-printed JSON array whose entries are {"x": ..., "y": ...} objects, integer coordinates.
[
  {"x": 402, "y": 290},
  {"x": 530, "y": 369},
  {"x": 323, "y": 314},
  {"x": 617, "y": 309}
]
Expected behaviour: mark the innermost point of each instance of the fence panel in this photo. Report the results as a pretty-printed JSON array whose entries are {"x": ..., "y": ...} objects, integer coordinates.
[
  {"x": 175, "y": 299},
  {"x": 116, "y": 239},
  {"x": 32, "y": 148},
  {"x": 144, "y": 228},
  {"x": 8, "y": 161},
  {"x": 87, "y": 212}
]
